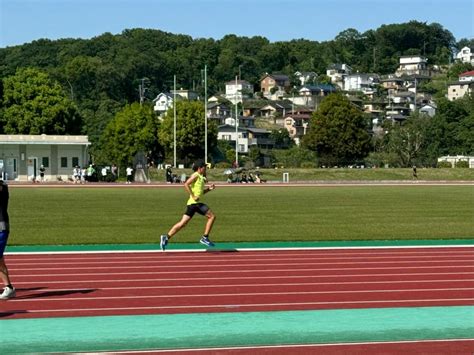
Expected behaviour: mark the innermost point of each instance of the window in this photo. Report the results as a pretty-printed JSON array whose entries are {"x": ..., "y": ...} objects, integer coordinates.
[
  {"x": 75, "y": 161},
  {"x": 63, "y": 162},
  {"x": 241, "y": 148},
  {"x": 45, "y": 162}
]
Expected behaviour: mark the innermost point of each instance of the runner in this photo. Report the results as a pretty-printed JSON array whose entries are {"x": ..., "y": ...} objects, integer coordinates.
[
  {"x": 9, "y": 290},
  {"x": 196, "y": 187}
]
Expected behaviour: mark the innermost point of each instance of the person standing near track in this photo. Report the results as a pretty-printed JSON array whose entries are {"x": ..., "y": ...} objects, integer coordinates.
[
  {"x": 196, "y": 187},
  {"x": 9, "y": 291}
]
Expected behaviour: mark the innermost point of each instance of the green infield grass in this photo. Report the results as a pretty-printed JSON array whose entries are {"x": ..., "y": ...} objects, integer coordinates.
[
  {"x": 62, "y": 216},
  {"x": 342, "y": 174}
]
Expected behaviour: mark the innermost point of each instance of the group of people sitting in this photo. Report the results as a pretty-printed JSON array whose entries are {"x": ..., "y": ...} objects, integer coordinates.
[{"x": 245, "y": 178}]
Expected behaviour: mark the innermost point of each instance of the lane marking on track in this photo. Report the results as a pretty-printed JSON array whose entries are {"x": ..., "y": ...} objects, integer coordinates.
[
  {"x": 209, "y": 295},
  {"x": 244, "y": 285},
  {"x": 209, "y": 265},
  {"x": 234, "y": 278},
  {"x": 252, "y": 305},
  {"x": 121, "y": 261},
  {"x": 92, "y": 273},
  {"x": 285, "y": 346},
  {"x": 244, "y": 249}
]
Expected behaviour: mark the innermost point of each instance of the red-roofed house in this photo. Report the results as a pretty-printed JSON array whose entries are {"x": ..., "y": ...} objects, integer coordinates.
[{"x": 464, "y": 86}]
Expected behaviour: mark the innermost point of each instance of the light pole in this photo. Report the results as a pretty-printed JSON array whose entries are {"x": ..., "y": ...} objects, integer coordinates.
[
  {"x": 205, "y": 114},
  {"x": 174, "y": 121},
  {"x": 236, "y": 125}
]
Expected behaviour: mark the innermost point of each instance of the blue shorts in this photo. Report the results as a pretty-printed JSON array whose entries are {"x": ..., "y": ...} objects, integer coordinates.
[{"x": 3, "y": 242}]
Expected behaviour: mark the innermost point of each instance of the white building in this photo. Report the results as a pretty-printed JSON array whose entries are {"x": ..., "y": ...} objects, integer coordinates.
[
  {"x": 163, "y": 102},
  {"x": 337, "y": 73},
  {"x": 236, "y": 90},
  {"x": 456, "y": 159},
  {"x": 361, "y": 82},
  {"x": 22, "y": 155},
  {"x": 466, "y": 55},
  {"x": 410, "y": 65}
]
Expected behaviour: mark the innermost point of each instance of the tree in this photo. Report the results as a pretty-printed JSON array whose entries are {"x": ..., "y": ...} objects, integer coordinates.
[
  {"x": 134, "y": 129},
  {"x": 34, "y": 104},
  {"x": 338, "y": 132},
  {"x": 410, "y": 142},
  {"x": 190, "y": 131}
]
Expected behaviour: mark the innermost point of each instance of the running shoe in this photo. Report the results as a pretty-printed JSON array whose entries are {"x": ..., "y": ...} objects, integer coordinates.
[
  {"x": 163, "y": 242},
  {"x": 8, "y": 293},
  {"x": 206, "y": 242}
]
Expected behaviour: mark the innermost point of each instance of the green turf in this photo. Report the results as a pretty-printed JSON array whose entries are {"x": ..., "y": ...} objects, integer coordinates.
[
  {"x": 254, "y": 214},
  {"x": 174, "y": 331},
  {"x": 381, "y": 174}
]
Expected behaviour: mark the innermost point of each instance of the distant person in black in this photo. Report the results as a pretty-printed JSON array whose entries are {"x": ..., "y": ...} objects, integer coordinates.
[
  {"x": 415, "y": 175},
  {"x": 9, "y": 290},
  {"x": 42, "y": 170}
]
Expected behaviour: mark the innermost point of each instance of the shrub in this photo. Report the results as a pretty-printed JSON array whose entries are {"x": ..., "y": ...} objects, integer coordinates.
[
  {"x": 308, "y": 165},
  {"x": 444, "y": 164},
  {"x": 462, "y": 164},
  {"x": 222, "y": 165}
]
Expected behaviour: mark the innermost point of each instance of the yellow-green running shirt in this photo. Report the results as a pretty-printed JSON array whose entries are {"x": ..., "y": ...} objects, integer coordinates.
[{"x": 197, "y": 188}]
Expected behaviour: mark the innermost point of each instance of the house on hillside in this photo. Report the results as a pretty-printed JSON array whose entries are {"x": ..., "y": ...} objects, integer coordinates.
[
  {"x": 366, "y": 83},
  {"x": 276, "y": 110},
  {"x": 274, "y": 85},
  {"x": 466, "y": 55},
  {"x": 163, "y": 102},
  {"x": 297, "y": 124},
  {"x": 413, "y": 64},
  {"x": 22, "y": 155},
  {"x": 465, "y": 85},
  {"x": 237, "y": 90},
  {"x": 306, "y": 77},
  {"x": 337, "y": 73}
]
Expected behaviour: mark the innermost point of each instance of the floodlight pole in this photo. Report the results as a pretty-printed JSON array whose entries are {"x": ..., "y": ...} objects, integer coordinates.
[
  {"x": 174, "y": 126},
  {"x": 236, "y": 125},
  {"x": 205, "y": 114}
]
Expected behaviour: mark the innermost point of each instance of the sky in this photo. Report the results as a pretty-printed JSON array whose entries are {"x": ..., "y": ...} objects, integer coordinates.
[{"x": 23, "y": 21}]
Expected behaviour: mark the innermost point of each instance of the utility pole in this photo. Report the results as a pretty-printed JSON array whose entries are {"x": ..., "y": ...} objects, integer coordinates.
[{"x": 141, "y": 90}]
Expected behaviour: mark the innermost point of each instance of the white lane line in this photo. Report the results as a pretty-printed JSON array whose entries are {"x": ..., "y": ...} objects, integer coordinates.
[
  {"x": 250, "y": 305},
  {"x": 122, "y": 261},
  {"x": 362, "y": 283},
  {"x": 286, "y": 270},
  {"x": 283, "y": 346},
  {"x": 241, "y": 278},
  {"x": 208, "y": 295},
  {"x": 179, "y": 251},
  {"x": 470, "y": 262}
]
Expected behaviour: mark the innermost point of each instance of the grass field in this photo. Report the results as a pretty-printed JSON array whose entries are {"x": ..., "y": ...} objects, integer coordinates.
[
  {"x": 380, "y": 174},
  {"x": 61, "y": 216}
]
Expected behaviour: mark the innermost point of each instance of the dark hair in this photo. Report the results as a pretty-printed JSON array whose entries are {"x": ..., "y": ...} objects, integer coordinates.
[{"x": 198, "y": 164}]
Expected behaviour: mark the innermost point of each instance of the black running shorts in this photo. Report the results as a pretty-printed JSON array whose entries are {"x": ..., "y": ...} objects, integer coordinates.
[{"x": 200, "y": 208}]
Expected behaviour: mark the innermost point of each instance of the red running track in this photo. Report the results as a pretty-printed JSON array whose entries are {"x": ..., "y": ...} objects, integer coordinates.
[{"x": 133, "y": 283}]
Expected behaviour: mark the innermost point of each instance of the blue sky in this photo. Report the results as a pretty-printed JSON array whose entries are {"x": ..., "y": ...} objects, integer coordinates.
[{"x": 23, "y": 21}]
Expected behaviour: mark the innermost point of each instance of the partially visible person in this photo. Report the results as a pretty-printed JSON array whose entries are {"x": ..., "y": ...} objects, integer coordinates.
[
  {"x": 42, "y": 170},
  {"x": 8, "y": 291},
  {"x": 129, "y": 175},
  {"x": 415, "y": 175},
  {"x": 196, "y": 188}
]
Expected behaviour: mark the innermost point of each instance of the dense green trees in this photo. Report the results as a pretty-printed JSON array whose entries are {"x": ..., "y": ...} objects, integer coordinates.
[
  {"x": 190, "y": 132},
  {"x": 82, "y": 86},
  {"x": 338, "y": 132},
  {"x": 134, "y": 129},
  {"x": 35, "y": 104}
]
